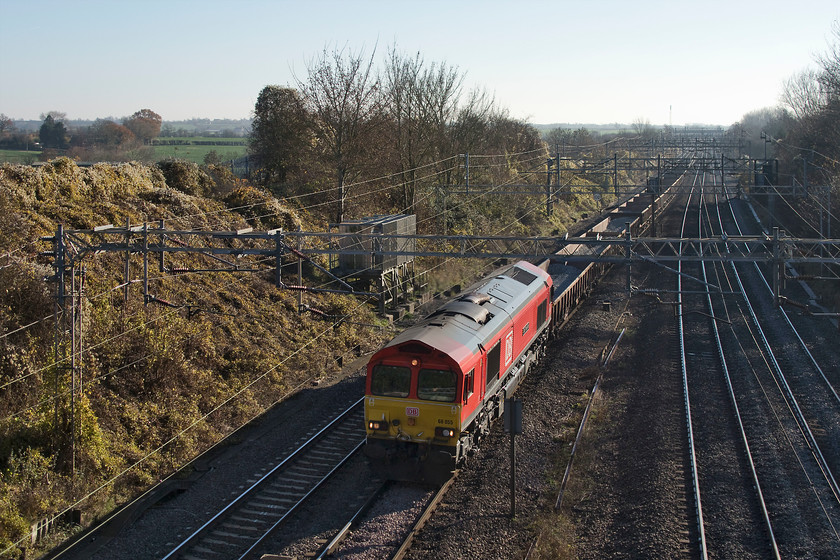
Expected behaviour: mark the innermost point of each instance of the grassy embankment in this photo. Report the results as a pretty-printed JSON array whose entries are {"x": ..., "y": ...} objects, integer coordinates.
[{"x": 155, "y": 384}]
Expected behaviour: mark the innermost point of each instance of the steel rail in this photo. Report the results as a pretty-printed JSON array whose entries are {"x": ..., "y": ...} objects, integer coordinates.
[
  {"x": 342, "y": 534},
  {"x": 691, "y": 446},
  {"x": 789, "y": 322},
  {"x": 424, "y": 517},
  {"x": 799, "y": 416},
  {"x": 270, "y": 530},
  {"x": 805, "y": 348},
  {"x": 722, "y": 355},
  {"x": 190, "y": 539},
  {"x": 608, "y": 352}
]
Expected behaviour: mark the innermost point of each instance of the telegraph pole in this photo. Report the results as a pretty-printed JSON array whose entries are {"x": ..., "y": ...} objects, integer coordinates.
[
  {"x": 513, "y": 426},
  {"x": 60, "y": 256},
  {"x": 548, "y": 187},
  {"x": 615, "y": 173},
  {"x": 467, "y": 172}
]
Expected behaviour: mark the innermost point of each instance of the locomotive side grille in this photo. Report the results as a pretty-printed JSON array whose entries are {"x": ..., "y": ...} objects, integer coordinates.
[{"x": 520, "y": 275}]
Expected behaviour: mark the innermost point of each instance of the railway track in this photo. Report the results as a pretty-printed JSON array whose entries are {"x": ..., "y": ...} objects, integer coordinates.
[
  {"x": 731, "y": 436},
  {"x": 253, "y": 516},
  {"x": 418, "y": 525},
  {"x": 807, "y": 415},
  {"x": 727, "y": 500},
  {"x": 768, "y": 488},
  {"x": 731, "y": 512},
  {"x": 811, "y": 371},
  {"x": 383, "y": 527}
]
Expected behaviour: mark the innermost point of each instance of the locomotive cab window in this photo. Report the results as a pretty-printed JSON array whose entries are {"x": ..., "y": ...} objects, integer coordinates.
[
  {"x": 390, "y": 381},
  {"x": 542, "y": 313},
  {"x": 469, "y": 384},
  {"x": 436, "y": 385}
]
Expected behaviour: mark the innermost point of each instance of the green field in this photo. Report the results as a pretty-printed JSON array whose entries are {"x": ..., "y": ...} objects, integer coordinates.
[
  {"x": 187, "y": 149},
  {"x": 196, "y": 152},
  {"x": 19, "y": 156}
]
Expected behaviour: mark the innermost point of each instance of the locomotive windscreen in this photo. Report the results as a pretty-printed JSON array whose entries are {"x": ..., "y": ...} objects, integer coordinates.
[
  {"x": 436, "y": 385},
  {"x": 390, "y": 381}
]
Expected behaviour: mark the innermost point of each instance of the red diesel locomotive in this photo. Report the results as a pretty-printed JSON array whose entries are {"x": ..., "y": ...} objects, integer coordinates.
[{"x": 433, "y": 391}]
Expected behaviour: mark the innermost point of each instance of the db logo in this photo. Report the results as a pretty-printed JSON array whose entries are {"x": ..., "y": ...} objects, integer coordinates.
[
  {"x": 509, "y": 349},
  {"x": 412, "y": 411}
]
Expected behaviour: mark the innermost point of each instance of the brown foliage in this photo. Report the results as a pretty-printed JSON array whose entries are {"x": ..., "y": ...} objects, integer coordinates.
[{"x": 209, "y": 362}]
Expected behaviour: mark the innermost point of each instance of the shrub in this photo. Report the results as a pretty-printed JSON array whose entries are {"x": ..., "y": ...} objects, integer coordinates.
[
  {"x": 186, "y": 177},
  {"x": 262, "y": 210}
]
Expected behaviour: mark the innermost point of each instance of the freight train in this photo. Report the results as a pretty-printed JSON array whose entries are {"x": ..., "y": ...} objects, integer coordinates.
[{"x": 433, "y": 392}]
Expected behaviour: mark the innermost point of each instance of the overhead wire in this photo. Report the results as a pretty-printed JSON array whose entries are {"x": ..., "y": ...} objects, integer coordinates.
[
  {"x": 194, "y": 423},
  {"x": 431, "y": 217},
  {"x": 794, "y": 210},
  {"x": 815, "y": 152},
  {"x": 75, "y": 354},
  {"x": 435, "y": 216},
  {"x": 24, "y": 327},
  {"x": 124, "y": 333},
  {"x": 390, "y": 187},
  {"x": 81, "y": 353},
  {"x": 65, "y": 359},
  {"x": 314, "y": 193},
  {"x": 353, "y": 184},
  {"x": 235, "y": 395}
]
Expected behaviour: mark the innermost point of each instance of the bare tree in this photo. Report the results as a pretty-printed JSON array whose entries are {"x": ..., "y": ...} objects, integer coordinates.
[
  {"x": 441, "y": 95},
  {"x": 421, "y": 103},
  {"x": 803, "y": 95},
  {"x": 475, "y": 114},
  {"x": 400, "y": 96},
  {"x": 341, "y": 92},
  {"x": 813, "y": 96},
  {"x": 145, "y": 124},
  {"x": 830, "y": 62},
  {"x": 642, "y": 127},
  {"x": 57, "y": 116},
  {"x": 6, "y": 124}
]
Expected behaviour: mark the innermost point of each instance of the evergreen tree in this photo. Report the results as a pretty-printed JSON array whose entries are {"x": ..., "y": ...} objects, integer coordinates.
[{"x": 53, "y": 134}]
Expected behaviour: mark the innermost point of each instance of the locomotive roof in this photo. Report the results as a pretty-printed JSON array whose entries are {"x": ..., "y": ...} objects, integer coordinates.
[{"x": 461, "y": 324}]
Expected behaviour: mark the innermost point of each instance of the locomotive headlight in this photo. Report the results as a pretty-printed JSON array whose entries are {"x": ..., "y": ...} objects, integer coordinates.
[
  {"x": 377, "y": 425},
  {"x": 444, "y": 432}
]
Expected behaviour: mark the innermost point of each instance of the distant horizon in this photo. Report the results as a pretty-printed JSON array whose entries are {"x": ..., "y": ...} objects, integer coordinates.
[
  {"x": 542, "y": 61},
  {"x": 250, "y": 119}
]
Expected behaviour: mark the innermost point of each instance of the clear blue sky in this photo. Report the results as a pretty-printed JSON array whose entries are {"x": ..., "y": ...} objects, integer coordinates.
[{"x": 579, "y": 61}]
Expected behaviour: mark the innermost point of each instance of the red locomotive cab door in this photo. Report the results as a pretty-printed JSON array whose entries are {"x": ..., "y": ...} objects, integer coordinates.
[
  {"x": 468, "y": 396},
  {"x": 482, "y": 375}
]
